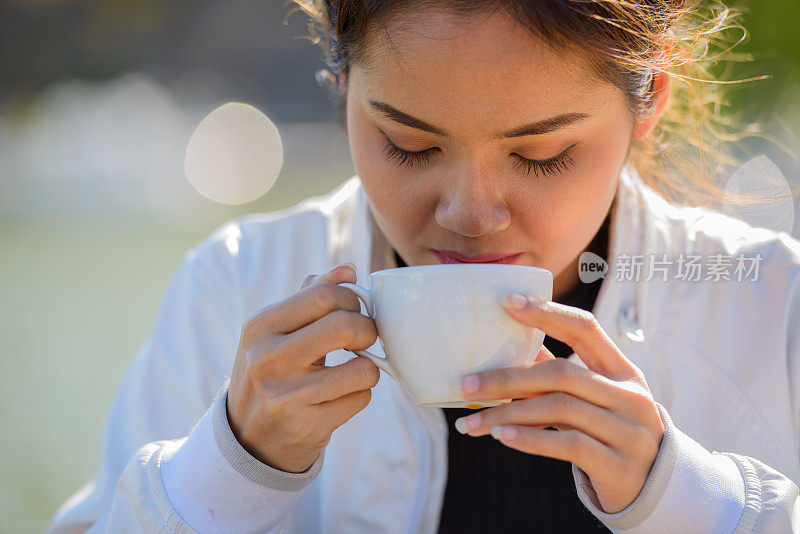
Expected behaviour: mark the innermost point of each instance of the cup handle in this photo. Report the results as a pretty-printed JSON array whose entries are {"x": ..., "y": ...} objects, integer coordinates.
[{"x": 379, "y": 361}]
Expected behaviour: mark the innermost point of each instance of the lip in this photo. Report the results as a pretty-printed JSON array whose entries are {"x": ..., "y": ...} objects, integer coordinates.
[{"x": 451, "y": 256}]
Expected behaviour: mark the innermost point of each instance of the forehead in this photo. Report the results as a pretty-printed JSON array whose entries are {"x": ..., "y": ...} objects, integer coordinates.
[{"x": 479, "y": 63}]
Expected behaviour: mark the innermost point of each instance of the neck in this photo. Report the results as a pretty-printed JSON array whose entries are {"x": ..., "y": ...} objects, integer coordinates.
[{"x": 566, "y": 281}]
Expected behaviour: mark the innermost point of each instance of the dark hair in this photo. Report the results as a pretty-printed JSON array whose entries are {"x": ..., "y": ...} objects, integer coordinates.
[{"x": 625, "y": 41}]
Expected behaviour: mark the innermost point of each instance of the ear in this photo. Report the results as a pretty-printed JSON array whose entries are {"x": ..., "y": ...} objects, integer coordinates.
[{"x": 660, "y": 95}]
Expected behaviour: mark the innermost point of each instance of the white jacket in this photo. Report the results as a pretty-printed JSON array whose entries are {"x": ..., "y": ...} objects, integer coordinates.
[{"x": 722, "y": 360}]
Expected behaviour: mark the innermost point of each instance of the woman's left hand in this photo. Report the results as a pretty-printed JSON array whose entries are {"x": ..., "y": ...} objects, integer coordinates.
[{"x": 607, "y": 421}]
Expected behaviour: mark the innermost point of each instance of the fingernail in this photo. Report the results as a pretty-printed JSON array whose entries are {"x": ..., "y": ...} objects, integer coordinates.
[
  {"x": 461, "y": 426},
  {"x": 348, "y": 264},
  {"x": 470, "y": 383},
  {"x": 516, "y": 300},
  {"x": 504, "y": 432},
  {"x": 467, "y": 423}
]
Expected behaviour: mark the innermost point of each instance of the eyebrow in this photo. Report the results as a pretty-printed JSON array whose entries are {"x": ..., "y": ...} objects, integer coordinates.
[{"x": 535, "y": 128}]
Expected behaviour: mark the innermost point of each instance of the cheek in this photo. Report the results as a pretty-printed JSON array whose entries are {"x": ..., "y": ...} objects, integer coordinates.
[
  {"x": 548, "y": 222},
  {"x": 394, "y": 193},
  {"x": 587, "y": 191},
  {"x": 562, "y": 216}
]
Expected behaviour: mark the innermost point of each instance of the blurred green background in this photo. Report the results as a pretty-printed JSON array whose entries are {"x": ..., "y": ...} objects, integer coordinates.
[{"x": 97, "y": 101}]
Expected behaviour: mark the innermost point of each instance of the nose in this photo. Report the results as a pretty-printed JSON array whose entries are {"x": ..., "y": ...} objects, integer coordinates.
[{"x": 472, "y": 206}]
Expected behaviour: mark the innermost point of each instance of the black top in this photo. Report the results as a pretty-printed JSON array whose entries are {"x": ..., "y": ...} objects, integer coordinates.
[{"x": 494, "y": 488}]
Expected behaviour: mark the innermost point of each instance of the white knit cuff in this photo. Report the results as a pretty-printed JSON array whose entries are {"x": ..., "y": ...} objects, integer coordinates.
[
  {"x": 215, "y": 485},
  {"x": 688, "y": 489}
]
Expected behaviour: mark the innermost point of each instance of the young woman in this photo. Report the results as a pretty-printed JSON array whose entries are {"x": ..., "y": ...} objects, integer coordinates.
[{"x": 516, "y": 131}]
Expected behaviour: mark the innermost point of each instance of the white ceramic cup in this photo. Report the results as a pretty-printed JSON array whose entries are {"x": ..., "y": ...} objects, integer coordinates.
[{"x": 438, "y": 323}]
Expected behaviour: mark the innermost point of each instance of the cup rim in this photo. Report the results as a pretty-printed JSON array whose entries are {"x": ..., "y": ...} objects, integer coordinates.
[{"x": 468, "y": 266}]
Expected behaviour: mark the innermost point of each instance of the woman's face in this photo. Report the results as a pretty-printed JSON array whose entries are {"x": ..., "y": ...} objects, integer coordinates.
[{"x": 518, "y": 147}]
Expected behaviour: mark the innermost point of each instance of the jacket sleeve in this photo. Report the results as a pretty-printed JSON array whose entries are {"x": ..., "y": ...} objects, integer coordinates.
[
  {"x": 693, "y": 490},
  {"x": 162, "y": 443}
]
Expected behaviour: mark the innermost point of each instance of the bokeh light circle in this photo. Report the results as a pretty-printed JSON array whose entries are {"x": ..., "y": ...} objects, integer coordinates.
[{"x": 234, "y": 155}]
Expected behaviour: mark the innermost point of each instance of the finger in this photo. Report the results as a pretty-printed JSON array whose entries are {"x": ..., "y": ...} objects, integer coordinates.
[
  {"x": 544, "y": 354},
  {"x": 339, "y": 329},
  {"x": 329, "y": 383},
  {"x": 302, "y": 308},
  {"x": 312, "y": 303},
  {"x": 330, "y": 276},
  {"x": 557, "y": 374},
  {"x": 628, "y": 397},
  {"x": 333, "y": 275},
  {"x": 568, "y": 445},
  {"x": 547, "y": 410},
  {"x": 577, "y": 328},
  {"x": 337, "y": 412}
]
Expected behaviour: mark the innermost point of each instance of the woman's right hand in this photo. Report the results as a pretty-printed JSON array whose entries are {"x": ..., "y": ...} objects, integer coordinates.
[{"x": 283, "y": 402}]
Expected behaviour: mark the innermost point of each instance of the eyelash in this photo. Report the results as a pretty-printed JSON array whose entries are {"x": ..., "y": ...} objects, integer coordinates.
[{"x": 551, "y": 166}]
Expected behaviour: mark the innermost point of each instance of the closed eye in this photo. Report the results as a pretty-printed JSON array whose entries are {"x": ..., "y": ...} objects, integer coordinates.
[
  {"x": 551, "y": 166},
  {"x": 406, "y": 157},
  {"x": 556, "y": 164}
]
